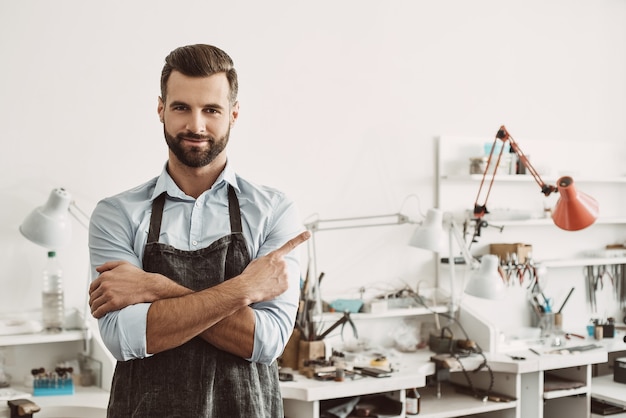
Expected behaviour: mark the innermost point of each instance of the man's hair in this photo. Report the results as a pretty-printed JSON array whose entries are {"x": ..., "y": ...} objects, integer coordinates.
[{"x": 200, "y": 60}]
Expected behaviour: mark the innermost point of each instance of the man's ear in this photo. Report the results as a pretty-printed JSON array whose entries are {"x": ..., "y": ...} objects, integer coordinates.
[
  {"x": 234, "y": 114},
  {"x": 161, "y": 110}
]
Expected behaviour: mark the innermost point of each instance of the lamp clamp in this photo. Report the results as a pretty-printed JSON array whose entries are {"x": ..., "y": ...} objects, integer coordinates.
[{"x": 479, "y": 224}]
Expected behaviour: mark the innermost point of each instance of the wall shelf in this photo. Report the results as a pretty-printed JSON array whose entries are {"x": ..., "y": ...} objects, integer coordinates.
[
  {"x": 25, "y": 321},
  {"x": 548, "y": 222},
  {"x": 43, "y": 338},
  {"x": 530, "y": 179},
  {"x": 583, "y": 262},
  {"x": 390, "y": 313}
]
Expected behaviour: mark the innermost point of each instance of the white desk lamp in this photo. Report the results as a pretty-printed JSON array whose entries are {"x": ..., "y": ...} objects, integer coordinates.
[
  {"x": 311, "y": 290},
  {"x": 317, "y": 225},
  {"x": 486, "y": 282},
  {"x": 50, "y": 225},
  {"x": 429, "y": 236}
]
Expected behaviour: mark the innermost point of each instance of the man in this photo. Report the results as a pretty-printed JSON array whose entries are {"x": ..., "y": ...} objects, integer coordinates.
[{"x": 198, "y": 285}]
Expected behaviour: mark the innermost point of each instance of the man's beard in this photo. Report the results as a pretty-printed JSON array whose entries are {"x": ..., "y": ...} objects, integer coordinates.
[{"x": 194, "y": 156}]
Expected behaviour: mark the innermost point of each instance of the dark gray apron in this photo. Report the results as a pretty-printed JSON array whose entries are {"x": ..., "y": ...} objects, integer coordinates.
[{"x": 196, "y": 379}]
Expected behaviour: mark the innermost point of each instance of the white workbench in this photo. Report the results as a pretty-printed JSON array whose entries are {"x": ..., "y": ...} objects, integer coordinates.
[{"x": 520, "y": 379}]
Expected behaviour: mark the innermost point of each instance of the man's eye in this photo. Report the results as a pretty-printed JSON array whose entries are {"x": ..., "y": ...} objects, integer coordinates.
[{"x": 179, "y": 108}]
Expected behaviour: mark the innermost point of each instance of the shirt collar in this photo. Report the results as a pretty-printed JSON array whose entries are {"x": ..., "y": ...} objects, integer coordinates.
[{"x": 165, "y": 183}]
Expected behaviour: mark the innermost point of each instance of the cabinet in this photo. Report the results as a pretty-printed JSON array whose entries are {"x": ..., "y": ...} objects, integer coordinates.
[
  {"x": 450, "y": 403},
  {"x": 533, "y": 382},
  {"x": 566, "y": 402},
  {"x": 23, "y": 352},
  {"x": 302, "y": 397},
  {"x": 603, "y": 387}
]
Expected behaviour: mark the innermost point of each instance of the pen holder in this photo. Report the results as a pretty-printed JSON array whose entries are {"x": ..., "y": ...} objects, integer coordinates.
[
  {"x": 310, "y": 350},
  {"x": 558, "y": 321},
  {"x": 550, "y": 323}
]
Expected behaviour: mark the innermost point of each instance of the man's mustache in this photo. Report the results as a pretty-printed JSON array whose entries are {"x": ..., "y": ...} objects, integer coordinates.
[{"x": 191, "y": 135}]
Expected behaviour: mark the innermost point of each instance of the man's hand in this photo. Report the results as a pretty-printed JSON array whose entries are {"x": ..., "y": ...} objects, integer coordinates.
[
  {"x": 121, "y": 284},
  {"x": 267, "y": 277},
  {"x": 174, "y": 321}
]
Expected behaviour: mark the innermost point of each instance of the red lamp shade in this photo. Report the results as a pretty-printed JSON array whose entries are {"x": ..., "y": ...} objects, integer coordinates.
[{"x": 574, "y": 210}]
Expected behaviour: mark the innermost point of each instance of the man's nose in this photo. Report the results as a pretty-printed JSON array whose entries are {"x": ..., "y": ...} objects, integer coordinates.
[{"x": 196, "y": 123}]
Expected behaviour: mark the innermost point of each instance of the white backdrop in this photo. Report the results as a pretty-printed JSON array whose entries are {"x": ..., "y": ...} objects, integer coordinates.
[{"x": 340, "y": 105}]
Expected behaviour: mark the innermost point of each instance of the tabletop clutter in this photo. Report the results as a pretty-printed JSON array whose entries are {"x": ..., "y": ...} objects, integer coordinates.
[
  {"x": 306, "y": 355},
  {"x": 517, "y": 267},
  {"x": 306, "y": 352}
]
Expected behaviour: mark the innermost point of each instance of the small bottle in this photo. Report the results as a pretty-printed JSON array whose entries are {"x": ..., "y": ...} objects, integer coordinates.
[
  {"x": 413, "y": 402},
  {"x": 53, "y": 299}
]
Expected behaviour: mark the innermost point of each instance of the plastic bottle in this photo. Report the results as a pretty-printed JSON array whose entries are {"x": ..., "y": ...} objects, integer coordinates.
[
  {"x": 53, "y": 299},
  {"x": 413, "y": 404}
]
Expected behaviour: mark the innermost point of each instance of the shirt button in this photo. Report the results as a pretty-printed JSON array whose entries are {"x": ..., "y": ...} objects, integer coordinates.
[
  {"x": 194, "y": 242},
  {"x": 198, "y": 204}
]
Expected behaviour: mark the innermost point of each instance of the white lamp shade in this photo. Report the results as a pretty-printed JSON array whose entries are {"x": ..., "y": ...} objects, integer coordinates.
[
  {"x": 486, "y": 282},
  {"x": 429, "y": 236},
  {"x": 50, "y": 226}
]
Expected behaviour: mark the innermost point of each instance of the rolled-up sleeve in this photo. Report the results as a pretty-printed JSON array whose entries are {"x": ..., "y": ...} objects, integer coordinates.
[
  {"x": 110, "y": 238},
  {"x": 124, "y": 332},
  {"x": 275, "y": 319}
]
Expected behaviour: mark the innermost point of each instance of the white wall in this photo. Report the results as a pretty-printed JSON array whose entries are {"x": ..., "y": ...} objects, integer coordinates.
[{"x": 340, "y": 105}]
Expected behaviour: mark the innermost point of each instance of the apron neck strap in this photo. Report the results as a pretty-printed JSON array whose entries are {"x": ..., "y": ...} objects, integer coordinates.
[
  {"x": 233, "y": 211},
  {"x": 155, "y": 218},
  {"x": 159, "y": 204}
]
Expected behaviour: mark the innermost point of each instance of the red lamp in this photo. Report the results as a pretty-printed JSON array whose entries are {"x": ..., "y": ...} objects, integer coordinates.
[{"x": 573, "y": 211}]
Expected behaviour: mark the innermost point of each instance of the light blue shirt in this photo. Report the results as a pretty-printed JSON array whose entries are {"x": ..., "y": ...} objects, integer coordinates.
[{"x": 119, "y": 230}]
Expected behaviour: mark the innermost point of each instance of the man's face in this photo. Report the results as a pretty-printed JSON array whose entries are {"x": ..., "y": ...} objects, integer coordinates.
[{"x": 197, "y": 117}]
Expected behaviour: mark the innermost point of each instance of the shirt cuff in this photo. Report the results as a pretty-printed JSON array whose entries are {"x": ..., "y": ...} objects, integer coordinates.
[{"x": 124, "y": 332}]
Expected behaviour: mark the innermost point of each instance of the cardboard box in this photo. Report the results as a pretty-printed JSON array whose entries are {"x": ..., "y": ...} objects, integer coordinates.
[{"x": 504, "y": 251}]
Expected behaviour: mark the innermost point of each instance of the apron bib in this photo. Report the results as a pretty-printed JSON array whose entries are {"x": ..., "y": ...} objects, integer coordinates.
[{"x": 196, "y": 379}]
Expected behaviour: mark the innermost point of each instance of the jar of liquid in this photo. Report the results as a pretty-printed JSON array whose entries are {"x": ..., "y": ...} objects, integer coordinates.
[
  {"x": 52, "y": 296},
  {"x": 413, "y": 402}
]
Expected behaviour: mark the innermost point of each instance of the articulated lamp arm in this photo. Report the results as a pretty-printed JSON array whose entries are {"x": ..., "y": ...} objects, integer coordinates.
[
  {"x": 503, "y": 135},
  {"x": 573, "y": 211}
]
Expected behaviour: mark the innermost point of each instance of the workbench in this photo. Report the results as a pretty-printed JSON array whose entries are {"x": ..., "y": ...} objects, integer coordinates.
[{"x": 525, "y": 381}]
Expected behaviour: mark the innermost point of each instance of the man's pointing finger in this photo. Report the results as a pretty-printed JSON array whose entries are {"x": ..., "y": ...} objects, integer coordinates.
[{"x": 292, "y": 244}]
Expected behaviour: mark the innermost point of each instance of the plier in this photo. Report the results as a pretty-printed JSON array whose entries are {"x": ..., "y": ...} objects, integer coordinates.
[{"x": 342, "y": 321}]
